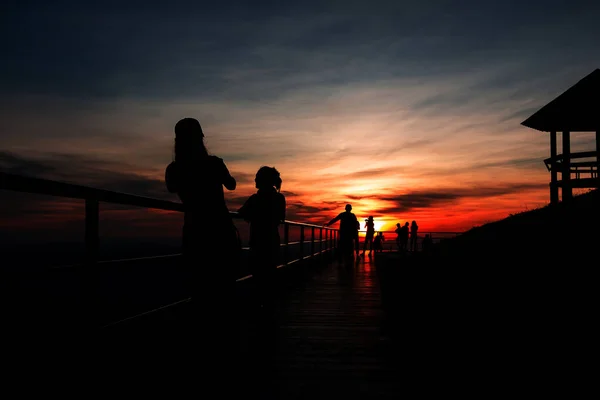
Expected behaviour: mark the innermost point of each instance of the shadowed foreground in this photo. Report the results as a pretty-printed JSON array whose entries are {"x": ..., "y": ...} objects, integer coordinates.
[{"x": 324, "y": 338}]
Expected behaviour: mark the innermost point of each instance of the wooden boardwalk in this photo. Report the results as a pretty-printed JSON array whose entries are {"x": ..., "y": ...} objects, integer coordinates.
[
  {"x": 327, "y": 339},
  {"x": 323, "y": 340}
]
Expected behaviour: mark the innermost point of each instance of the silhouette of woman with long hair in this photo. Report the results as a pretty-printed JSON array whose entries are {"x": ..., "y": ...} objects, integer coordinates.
[
  {"x": 198, "y": 179},
  {"x": 265, "y": 210},
  {"x": 414, "y": 228}
]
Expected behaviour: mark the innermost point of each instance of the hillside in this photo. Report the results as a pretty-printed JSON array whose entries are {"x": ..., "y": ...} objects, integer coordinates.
[
  {"x": 546, "y": 235},
  {"x": 516, "y": 296}
]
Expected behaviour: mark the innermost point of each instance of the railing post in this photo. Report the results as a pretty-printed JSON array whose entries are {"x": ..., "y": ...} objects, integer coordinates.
[
  {"x": 286, "y": 240},
  {"x": 92, "y": 211},
  {"x": 301, "y": 242},
  {"x": 312, "y": 241},
  {"x": 320, "y": 241},
  {"x": 88, "y": 276}
]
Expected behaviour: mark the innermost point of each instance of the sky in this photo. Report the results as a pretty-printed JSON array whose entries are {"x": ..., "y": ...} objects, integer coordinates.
[{"x": 406, "y": 110}]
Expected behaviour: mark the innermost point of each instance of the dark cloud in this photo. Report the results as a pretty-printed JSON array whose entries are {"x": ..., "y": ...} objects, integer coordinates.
[
  {"x": 519, "y": 116},
  {"x": 526, "y": 163},
  {"x": 354, "y": 197},
  {"x": 416, "y": 144},
  {"x": 242, "y": 177},
  {"x": 85, "y": 171},
  {"x": 370, "y": 173},
  {"x": 435, "y": 198},
  {"x": 234, "y": 50},
  {"x": 298, "y": 211}
]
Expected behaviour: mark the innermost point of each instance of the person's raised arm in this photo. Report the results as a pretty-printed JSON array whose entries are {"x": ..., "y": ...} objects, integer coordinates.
[
  {"x": 334, "y": 220},
  {"x": 227, "y": 180}
]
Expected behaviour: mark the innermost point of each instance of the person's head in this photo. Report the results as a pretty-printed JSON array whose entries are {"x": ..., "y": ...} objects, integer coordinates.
[
  {"x": 348, "y": 207},
  {"x": 406, "y": 223},
  {"x": 398, "y": 224},
  {"x": 189, "y": 140},
  {"x": 267, "y": 178},
  {"x": 414, "y": 222},
  {"x": 370, "y": 218}
]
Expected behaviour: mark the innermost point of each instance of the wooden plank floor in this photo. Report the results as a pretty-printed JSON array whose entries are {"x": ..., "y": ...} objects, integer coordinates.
[{"x": 326, "y": 340}]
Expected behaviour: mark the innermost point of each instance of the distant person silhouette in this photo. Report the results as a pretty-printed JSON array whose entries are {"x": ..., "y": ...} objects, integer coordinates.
[
  {"x": 414, "y": 228},
  {"x": 370, "y": 225},
  {"x": 398, "y": 236},
  {"x": 210, "y": 245},
  {"x": 349, "y": 227},
  {"x": 265, "y": 210},
  {"x": 404, "y": 237},
  {"x": 378, "y": 242}
]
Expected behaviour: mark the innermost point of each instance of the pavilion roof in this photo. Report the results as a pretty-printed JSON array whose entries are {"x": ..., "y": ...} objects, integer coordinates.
[{"x": 576, "y": 110}]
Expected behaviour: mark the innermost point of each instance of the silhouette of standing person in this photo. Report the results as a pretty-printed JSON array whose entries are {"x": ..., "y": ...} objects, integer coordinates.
[
  {"x": 414, "y": 228},
  {"x": 370, "y": 225},
  {"x": 404, "y": 237},
  {"x": 265, "y": 210},
  {"x": 198, "y": 179},
  {"x": 378, "y": 242},
  {"x": 349, "y": 227}
]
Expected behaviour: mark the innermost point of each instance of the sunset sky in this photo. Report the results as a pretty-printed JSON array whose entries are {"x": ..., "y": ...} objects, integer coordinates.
[{"x": 407, "y": 110}]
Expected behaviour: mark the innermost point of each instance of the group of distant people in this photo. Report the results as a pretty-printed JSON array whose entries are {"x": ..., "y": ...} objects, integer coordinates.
[
  {"x": 406, "y": 236},
  {"x": 348, "y": 231}
]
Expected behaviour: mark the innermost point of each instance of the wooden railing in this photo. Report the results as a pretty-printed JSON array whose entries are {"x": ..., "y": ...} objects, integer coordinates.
[
  {"x": 575, "y": 167},
  {"x": 322, "y": 239},
  {"x": 327, "y": 237}
]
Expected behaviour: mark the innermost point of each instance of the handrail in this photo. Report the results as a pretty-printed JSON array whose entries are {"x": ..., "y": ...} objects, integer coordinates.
[
  {"x": 93, "y": 197},
  {"x": 581, "y": 154},
  {"x": 25, "y": 184}
]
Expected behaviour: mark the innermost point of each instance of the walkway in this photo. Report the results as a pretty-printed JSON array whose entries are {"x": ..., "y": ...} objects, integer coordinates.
[{"x": 328, "y": 339}]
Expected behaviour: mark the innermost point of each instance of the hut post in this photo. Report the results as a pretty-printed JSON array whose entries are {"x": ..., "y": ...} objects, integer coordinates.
[
  {"x": 553, "y": 171},
  {"x": 567, "y": 189},
  {"x": 598, "y": 154}
]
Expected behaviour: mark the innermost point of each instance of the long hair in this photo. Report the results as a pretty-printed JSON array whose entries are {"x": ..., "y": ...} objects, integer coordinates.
[
  {"x": 268, "y": 177},
  {"x": 189, "y": 141}
]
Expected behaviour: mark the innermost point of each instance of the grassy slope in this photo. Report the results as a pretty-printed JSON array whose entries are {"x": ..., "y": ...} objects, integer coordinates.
[
  {"x": 501, "y": 297},
  {"x": 547, "y": 235}
]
